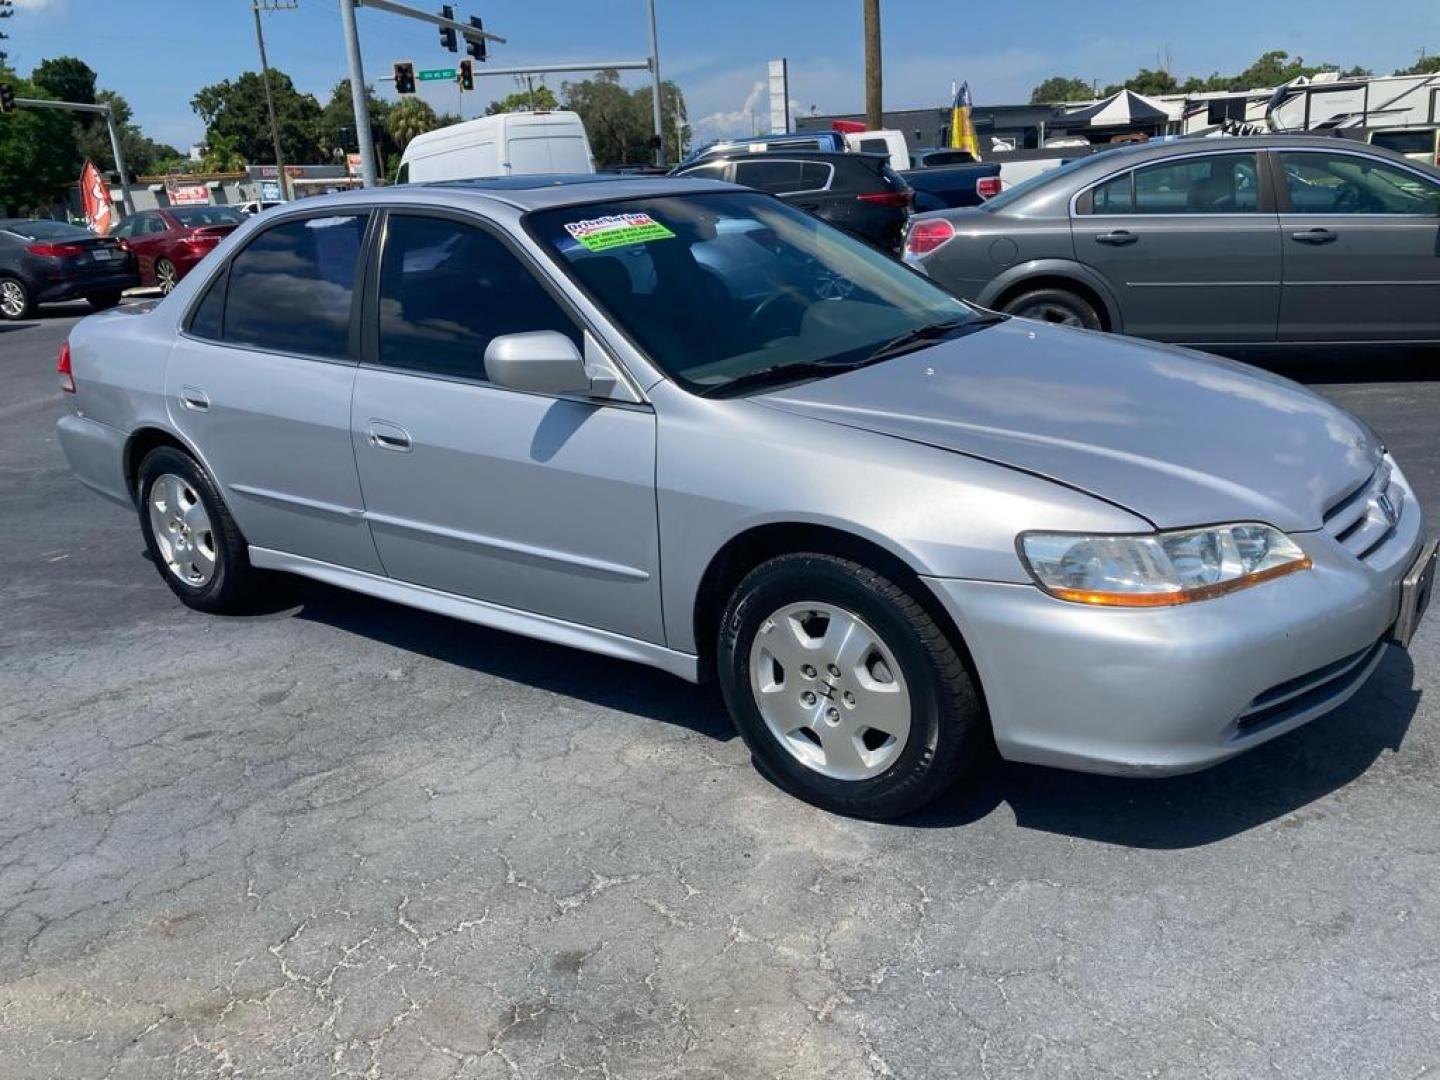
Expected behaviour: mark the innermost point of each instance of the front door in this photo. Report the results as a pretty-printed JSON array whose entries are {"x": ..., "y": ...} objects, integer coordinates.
[
  {"x": 1362, "y": 249},
  {"x": 1190, "y": 247},
  {"x": 260, "y": 385},
  {"x": 538, "y": 503}
]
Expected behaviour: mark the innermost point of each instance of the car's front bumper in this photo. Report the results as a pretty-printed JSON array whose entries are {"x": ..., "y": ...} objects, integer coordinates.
[{"x": 1172, "y": 690}]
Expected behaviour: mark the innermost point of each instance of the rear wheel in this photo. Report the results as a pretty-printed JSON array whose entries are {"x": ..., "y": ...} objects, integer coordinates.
[
  {"x": 1055, "y": 305},
  {"x": 192, "y": 538},
  {"x": 15, "y": 302},
  {"x": 166, "y": 276},
  {"x": 846, "y": 691},
  {"x": 102, "y": 300}
]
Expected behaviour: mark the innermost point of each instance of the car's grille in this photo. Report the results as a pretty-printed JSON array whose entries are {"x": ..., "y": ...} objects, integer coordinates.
[
  {"x": 1304, "y": 693},
  {"x": 1367, "y": 516}
]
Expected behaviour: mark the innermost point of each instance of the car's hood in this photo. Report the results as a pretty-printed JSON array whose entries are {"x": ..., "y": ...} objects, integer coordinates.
[{"x": 1174, "y": 436}]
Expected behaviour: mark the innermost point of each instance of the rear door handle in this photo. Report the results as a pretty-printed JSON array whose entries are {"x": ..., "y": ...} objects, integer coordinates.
[
  {"x": 1118, "y": 238},
  {"x": 195, "y": 399},
  {"x": 1313, "y": 236},
  {"x": 384, "y": 435}
]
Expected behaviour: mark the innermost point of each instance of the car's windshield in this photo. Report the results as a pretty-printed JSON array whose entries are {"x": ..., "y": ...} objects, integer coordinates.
[
  {"x": 718, "y": 287},
  {"x": 47, "y": 230},
  {"x": 193, "y": 217}
]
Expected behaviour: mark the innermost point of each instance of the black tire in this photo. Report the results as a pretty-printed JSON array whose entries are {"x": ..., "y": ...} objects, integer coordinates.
[
  {"x": 102, "y": 301},
  {"x": 13, "y": 287},
  {"x": 948, "y": 724},
  {"x": 232, "y": 585},
  {"x": 1054, "y": 305}
]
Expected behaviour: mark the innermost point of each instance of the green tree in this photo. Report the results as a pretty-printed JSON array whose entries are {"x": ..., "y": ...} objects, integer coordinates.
[
  {"x": 409, "y": 118},
  {"x": 236, "y": 110},
  {"x": 66, "y": 78},
  {"x": 619, "y": 122},
  {"x": 337, "y": 123},
  {"x": 1060, "y": 88},
  {"x": 37, "y": 152},
  {"x": 538, "y": 100},
  {"x": 1426, "y": 65},
  {"x": 223, "y": 155}
]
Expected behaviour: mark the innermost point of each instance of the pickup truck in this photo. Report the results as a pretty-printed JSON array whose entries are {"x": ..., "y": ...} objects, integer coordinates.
[{"x": 943, "y": 187}]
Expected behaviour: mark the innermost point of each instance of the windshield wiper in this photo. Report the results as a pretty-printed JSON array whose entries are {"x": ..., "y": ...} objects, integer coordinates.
[
  {"x": 930, "y": 333},
  {"x": 776, "y": 373}
]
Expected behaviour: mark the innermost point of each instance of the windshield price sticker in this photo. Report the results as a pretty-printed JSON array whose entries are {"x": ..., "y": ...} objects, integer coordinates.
[{"x": 617, "y": 230}]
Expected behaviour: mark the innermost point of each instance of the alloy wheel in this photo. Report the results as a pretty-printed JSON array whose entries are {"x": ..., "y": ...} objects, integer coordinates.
[
  {"x": 830, "y": 690},
  {"x": 1047, "y": 312},
  {"x": 182, "y": 530},
  {"x": 12, "y": 299},
  {"x": 166, "y": 277}
]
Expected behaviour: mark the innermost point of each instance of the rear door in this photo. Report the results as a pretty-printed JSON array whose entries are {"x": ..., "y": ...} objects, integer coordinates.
[
  {"x": 260, "y": 383},
  {"x": 1362, "y": 248},
  {"x": 1189, "y": 245}
]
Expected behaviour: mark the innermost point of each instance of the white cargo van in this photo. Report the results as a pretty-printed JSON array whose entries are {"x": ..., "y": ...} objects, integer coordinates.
[{"x": 507, "y": 144}]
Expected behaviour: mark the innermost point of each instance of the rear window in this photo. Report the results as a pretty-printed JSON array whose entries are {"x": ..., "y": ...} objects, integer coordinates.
[
  {"x": 1405, "y": 142},
  {"x": 47, "y": 230},
  {"x": 192, "y": 217}
]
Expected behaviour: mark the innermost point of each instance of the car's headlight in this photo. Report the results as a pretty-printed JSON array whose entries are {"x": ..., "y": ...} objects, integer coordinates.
[{"x": 1159, "y": 569}]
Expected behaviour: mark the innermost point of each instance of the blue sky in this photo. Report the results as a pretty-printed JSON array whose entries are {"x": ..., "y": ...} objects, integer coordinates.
[{"x": 158, "y": 52}]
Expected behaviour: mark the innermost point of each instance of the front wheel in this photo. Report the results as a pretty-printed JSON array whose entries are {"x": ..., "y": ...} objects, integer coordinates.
[
  {"x": 1053, "y": 305},
  {"x": 844, "y": 688}
]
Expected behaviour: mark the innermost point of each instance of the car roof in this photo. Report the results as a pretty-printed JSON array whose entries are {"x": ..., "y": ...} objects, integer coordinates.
[
  {"x": 522, "y": 192},
  {"x": 788, "y": 155}
]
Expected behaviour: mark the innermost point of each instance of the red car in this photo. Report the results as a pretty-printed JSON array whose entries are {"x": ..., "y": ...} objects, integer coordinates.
[{"x": 168, "y": 243}]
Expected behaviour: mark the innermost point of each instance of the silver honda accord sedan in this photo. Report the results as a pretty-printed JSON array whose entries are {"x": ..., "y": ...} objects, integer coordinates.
[{"x": 680, "y": 423}]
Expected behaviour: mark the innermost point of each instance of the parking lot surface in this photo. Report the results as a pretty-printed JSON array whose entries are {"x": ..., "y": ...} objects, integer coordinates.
[{"x": 344, "y": 838}]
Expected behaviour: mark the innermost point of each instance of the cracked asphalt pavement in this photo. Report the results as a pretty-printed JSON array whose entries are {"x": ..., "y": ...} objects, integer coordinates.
[{"x": 342, "y": 838}]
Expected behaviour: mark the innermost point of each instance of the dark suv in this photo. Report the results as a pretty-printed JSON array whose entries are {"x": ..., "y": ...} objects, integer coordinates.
[{"x": 859, "y": 193}]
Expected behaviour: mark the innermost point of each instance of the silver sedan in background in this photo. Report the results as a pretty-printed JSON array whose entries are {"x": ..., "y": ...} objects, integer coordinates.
[
  {"x": 1271, "y": 241},
  {"x": 680, "y": 423}
]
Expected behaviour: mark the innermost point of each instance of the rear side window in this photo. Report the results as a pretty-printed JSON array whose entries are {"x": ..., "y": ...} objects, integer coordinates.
[
  {"x": 447, "y": 289},
  {"x": 814, "y": 176},
  {"x": 208, "y": 319},
  {"x": 714, "y": 171},
  {"x": 1405, "y": 142},
  {"x": 291, "y": 288},
  {"x": 776, "y": 177},
  {"x": 874, "y": 146}
]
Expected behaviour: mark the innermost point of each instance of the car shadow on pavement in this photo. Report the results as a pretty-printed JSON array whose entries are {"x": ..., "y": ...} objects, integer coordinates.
[
  {"x": 599, "y": 680},
  {"x": 1262, "y": 785},
  {"x": 1352, "y": 364}
]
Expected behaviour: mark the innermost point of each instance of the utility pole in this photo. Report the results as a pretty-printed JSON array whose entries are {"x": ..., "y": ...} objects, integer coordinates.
[
  {"x": 256, "y": 6},
  {"x": 874, "y": 112},
  {"x": 357, "y": 93},
  {"x": 655, "y": 79}
]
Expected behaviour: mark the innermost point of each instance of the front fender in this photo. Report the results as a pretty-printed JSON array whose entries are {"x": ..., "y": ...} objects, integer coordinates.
[{"x": 1051, "y": 269}]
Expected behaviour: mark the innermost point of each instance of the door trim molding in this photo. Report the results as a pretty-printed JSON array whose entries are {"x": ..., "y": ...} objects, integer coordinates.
[{"x": 483, "y": 613}]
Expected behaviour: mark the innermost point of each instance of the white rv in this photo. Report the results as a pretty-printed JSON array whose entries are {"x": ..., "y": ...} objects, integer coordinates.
[{"x": 507, "y": 144}]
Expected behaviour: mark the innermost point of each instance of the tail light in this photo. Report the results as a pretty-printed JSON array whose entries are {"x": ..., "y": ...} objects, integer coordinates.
[
  {"x": 987, "y": 187},
  {"x": 56, "y": 251},
  {"x": 925, "y": 236},
  {"x": 67, "y": 380},
  {"x": 903, "y": 198}
]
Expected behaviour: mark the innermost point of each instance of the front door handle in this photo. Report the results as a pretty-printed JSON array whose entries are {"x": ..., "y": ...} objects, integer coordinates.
[
  {"x": 1313, "y": 236},
  {"x": 195, "y": 399},
  {"x": 384, "y": 435},
  {"x": 1118, "y": 238}
]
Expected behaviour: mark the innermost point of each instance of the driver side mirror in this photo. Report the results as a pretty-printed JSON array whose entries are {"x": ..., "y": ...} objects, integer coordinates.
[{"x": 539, "y": 362}]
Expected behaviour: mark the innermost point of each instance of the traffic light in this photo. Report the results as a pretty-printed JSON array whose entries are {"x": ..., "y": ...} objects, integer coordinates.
[
  {"x": 404, "y": 77},
  {"x": 476, "y": 46},
  {"x": 467, "y": 74},
  {"x": 7, "y": 98},
  {"x": 447, "y": 33}
]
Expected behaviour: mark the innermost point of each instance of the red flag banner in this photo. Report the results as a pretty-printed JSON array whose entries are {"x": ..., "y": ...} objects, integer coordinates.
[{"x": 95, "y": 196}]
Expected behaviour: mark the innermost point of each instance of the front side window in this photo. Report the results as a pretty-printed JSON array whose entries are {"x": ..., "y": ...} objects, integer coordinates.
[
  {"x": 1322, "y": 182},
  {"x": 447, "y": 289},
  {"x": 291, "y": 287},
  {"x": 1218, "y": 184},
  {"x": 719, "y": 286}
]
